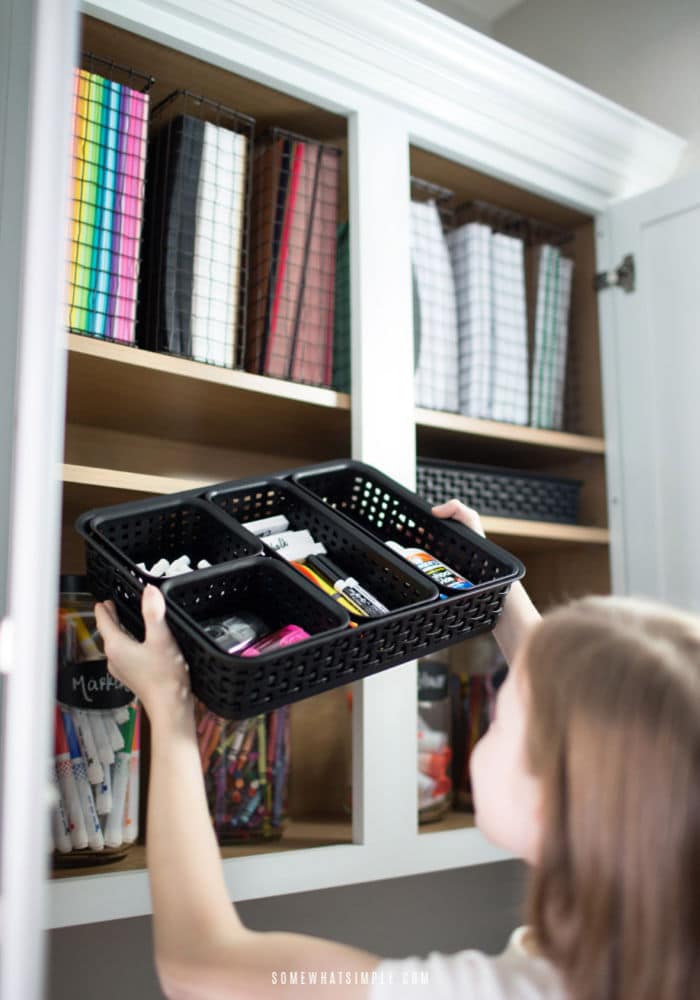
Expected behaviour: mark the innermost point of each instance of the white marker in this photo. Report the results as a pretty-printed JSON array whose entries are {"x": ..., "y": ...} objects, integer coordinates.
[
  {"x": 103, "y": 793},
  {"x": 105, "y": 754},
  {"x": 95, "y": 840},
  {"x": 60, "y": 826},
  {"x": 115, "y": 737},
  {"x": 115, "y": 820},
  {"x": 68, "y": 787},
  {"x": 86, "y": 741}
]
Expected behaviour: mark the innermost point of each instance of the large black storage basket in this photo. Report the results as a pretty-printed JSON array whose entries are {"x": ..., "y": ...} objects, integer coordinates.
[
  {"x": 418, "y": 622},
  {"x": 500, "y": 492}
]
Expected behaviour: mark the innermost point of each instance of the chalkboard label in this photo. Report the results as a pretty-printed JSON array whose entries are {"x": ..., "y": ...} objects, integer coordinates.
[
  {"x": 90, "y": 685},
  {"x": 432, "y": 680}
]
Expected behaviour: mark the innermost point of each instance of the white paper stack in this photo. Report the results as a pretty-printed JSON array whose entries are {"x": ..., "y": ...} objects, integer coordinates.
[
  {"x": 217, "y": 246},
  {"x": 509, "y": 358},
  {"x": 554, "y": 277},
  {"x": 470, "y": 251},
  {"x": 436, "y": 380}
]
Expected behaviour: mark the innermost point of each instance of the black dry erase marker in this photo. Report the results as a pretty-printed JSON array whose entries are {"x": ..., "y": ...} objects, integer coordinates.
[{"x": 349, "y": 587}]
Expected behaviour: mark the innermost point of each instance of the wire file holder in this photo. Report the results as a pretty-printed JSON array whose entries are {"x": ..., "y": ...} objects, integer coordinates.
[
  {"x": 196, "y": 231},
  {"x": 110, "y": 122},
  {"x": 511, "y": 283},
  {"x": 293, "y": 254}
]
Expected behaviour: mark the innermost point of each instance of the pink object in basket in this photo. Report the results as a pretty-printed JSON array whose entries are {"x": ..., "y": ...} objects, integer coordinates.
[{"x": 285, "y": 636}]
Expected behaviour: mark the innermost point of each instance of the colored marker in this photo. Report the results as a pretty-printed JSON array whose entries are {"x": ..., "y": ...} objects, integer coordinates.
[
  {"x": 348, "y": 587},
  {"x": 68, "y": 786},
  {"x": 327, "y": 589},
  {"x": 103, "y": 793},
  {"x": 87, "y": 802},
  {"x": 130, "y": 829}
]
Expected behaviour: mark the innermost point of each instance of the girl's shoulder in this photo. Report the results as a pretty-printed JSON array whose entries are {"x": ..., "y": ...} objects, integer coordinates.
[{"x": 518, "y": 973}]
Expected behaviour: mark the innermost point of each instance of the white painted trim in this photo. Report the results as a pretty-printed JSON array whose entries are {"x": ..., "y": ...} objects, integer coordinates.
[
  {"x": 94, "y": 898},
  {"x": 443, "y": 77}
]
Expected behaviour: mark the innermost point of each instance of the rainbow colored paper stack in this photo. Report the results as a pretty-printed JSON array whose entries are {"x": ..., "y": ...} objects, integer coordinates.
[{"x": 110, "y": 123}]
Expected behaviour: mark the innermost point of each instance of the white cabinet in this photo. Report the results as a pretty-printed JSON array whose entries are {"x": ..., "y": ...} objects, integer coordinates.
[{"x": 403, "y": 92}]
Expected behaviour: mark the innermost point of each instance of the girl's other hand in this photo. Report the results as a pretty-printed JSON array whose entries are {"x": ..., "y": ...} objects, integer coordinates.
[
  {"x": 460, "y": 512},
  {"x": 155, "y": 669}
]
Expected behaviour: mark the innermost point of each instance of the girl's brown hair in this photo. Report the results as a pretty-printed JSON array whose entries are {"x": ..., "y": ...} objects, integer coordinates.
[{"x": 614, "y": 734}]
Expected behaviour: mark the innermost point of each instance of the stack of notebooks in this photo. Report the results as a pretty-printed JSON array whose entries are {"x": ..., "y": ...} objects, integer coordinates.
[
  {"x": 194, "y": 240},
  {"x": 293, "y": 260},
  {"x": 475, "y": 357},
  {"x": 106, "y": 206}
]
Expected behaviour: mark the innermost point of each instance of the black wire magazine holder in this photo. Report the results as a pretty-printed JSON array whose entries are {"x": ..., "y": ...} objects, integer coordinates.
[{"x": 354, "y": 509}]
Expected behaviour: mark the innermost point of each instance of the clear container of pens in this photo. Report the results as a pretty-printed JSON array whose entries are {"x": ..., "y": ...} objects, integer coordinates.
[
  {"x": 95, "y": 814},
  {"x": 246, "y": 767}
]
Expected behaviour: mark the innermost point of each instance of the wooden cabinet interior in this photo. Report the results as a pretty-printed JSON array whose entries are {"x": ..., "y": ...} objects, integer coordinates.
[{"x": 206, "y": 424}]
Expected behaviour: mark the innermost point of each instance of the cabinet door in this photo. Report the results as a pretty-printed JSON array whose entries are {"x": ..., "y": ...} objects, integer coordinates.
[
  {"x": 37, "y": 40},
  {"x": 651, "y": 377}
]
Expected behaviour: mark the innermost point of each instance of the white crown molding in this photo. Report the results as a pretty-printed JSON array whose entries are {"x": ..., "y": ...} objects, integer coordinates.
[{"x": 459, "y": 91}]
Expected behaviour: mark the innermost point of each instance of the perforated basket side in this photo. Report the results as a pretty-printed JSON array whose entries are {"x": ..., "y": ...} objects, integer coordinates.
[
  {"x": 501, "y": 492},
  {"x": 390, "y": 512},
  {"x": 384, "y": 574}
]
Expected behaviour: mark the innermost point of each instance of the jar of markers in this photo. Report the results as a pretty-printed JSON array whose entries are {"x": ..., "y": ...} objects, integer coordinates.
[{"x": 95, "y": 812}]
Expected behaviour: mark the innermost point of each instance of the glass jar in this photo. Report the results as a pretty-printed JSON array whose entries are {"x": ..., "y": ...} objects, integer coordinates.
[
  {"x": 246, "y": 769},
  {"x": 434, "y": 737},
  {"x": 95, "y": 813}
]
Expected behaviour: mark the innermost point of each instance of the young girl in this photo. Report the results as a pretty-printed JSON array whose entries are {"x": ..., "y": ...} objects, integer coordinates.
[{"x": 590, "y": 772}]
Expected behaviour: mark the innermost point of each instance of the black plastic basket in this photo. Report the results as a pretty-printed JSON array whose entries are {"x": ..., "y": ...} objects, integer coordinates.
[
  {"x": 390, "y": 512},
  {"x": 275, "y": 591},
  {"x": 500, "y": 492},
  {"x": 375, "y": 567},
  {"x": 370, "y": 508},
  {"x": 169, "y": 527}
]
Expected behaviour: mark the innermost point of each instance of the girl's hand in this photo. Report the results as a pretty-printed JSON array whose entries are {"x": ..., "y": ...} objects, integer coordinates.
[
  {"x": 459, "y": 512},
  {"x": 155, "y": 669}
]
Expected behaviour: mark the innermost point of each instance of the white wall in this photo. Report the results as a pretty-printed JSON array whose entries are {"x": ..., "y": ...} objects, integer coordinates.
[{"x": 643, "y": 54}]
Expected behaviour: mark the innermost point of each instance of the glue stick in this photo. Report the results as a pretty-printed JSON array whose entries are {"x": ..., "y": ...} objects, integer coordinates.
[{"x": 432, "y": 567}]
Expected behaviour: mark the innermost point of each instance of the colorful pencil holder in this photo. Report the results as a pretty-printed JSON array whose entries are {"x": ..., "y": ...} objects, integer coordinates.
[
  {"x": 246, "y": 769},
  {"x": 95, "y": 813}
]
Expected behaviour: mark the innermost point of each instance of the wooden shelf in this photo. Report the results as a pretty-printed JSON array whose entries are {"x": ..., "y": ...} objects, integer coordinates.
[
  {"x": 525, "y": 535},
  {"x": 439, "y": 433},
  {"x": 454, "y": 820},
  {"x": 298, "y": 835},
  {"x": 138, "y": 392}
]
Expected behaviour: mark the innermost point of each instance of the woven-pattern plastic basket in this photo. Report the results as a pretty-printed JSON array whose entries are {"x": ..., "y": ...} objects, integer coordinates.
[
  {"x": 378, "y": 569},
  {"x": 336, "y": 653},
  {"x": 500, "y": 492}
]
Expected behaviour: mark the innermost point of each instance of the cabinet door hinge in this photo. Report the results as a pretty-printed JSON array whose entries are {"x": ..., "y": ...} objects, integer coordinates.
[{"x": 620, "y": 277}]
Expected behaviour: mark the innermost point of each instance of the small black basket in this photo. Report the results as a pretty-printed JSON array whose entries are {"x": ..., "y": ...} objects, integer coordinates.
[
  {"x": 500, "y": 492},
  {"x": 168, "y": 527},
  {"x": 371, "y": 508},
  {"x": 264, "y": 587},
  {"x": 375, "y": 567},
  {"x": 390, "y": 512}
]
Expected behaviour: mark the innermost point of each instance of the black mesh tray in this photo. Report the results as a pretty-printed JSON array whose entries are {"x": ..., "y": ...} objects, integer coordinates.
[
  {"x": 280, "y": 596},
  {"x": 500, "y": 492},
  {"x": 168, "y": 527},
  {"x": 370, "y": 508},
  {"x": 378, "y": 569},
  {"x": 390, "y": 512}
]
